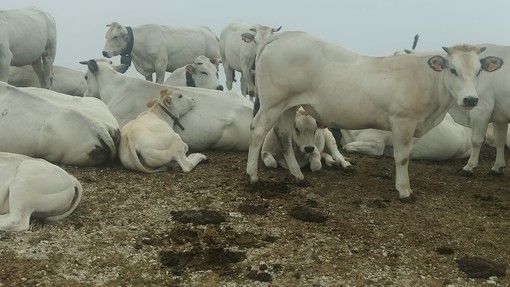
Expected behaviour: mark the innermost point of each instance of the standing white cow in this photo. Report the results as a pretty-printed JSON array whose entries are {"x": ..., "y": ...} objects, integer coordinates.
[
  {"x": 447, "y": 140},
  {"x": 149, "y": 143},
  {"x": 406, "y": 94},
  {"x": 34, "y": 188},
  {"x": 159, "y": 49},
  {"x": 45, "y": 124},
  {"x": 202, "y": 73},
  {"x": 65, "y": 80},
  {"x": 494, "y": 106},
  {"x": 28, "y": 37},
  {"x": 310, "y": 145},
  {"x": 219, "y": 121},
  {"x": 238, "y": 48}
]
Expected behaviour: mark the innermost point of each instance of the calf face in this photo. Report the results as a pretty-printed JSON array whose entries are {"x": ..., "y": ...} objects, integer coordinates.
[
  {"x": 305, "y": 129},
  {"x": 203, "y": 73}
]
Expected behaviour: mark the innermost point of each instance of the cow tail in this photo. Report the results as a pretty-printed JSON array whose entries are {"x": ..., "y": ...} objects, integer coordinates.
[
  {"x": 78, "y": 192},
  {"x": 136, "y": 159},
  {"x": 109, "y": 139}
]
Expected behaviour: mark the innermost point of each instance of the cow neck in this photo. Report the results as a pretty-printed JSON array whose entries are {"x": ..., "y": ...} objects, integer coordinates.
[
  {"x": 190, "y": 82},
  {"x": 174, "y": 118},
  {"x": 125, "y": 57}
]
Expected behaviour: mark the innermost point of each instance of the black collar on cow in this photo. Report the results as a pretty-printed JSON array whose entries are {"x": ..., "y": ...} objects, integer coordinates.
[
  {"x": 176, "y": 120},
  {"x": 125, "y": 58},
  {"x": 190, "y": 82}
]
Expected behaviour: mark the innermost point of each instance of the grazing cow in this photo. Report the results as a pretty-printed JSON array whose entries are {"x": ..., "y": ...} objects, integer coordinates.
[
  {"x": 159, "y": 49},
  {"x": 447, "y": 140},
  {"x": 309, "y": 142},
  {"x": 29, "y": 37},
  {"x": 202, "y": 73},
  {"x": 45, "y": 124},
  {"x": 238, "y": 48},
  {"x": 34, "y": 188},
  {"x": 493, "y": 108},
  {"x": 219, "y": 121},
  {"x": 149, "y": 144},
  {"x": 406, "y": 94},
  {"x": 65, "y": 80}
]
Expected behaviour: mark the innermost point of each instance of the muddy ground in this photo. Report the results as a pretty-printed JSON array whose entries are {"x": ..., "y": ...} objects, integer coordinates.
[{"x": 211, "y": 228}]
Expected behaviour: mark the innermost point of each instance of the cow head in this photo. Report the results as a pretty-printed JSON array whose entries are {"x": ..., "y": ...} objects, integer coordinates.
[
  {"x": 174, "y": 103},
  {"x": 203, "y": 73},
  {"x": 117, "y": 39},
  {"x": 461, "y": 67},
  {"x": 93, "y": 68},
  {"x": 305, "y": 129}
]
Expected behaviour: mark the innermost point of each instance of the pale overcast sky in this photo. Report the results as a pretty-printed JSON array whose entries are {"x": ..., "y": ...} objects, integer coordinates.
[{"x": 369, "y": 27}]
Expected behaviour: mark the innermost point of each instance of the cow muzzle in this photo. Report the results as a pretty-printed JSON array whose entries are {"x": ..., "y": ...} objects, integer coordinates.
[
  {"x": 105, "y": 54},
  {"x": 309, "y": 149},
  {"x": 219, "y": 88},
  {"x": 470, "y": 101}
]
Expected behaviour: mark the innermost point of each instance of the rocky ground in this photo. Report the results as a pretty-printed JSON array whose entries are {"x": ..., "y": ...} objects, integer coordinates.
[{"x": 211, "y": 228}]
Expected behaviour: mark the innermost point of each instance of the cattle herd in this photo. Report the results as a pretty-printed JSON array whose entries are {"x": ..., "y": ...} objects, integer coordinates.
[{"x": 421, "y": 105}]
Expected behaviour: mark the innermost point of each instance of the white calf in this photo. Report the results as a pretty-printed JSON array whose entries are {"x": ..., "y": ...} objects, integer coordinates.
[
  {"x": 149, "y": 144},
  {"x": 202, "y": 73},
  {"x": 309, "y": 143},
  {"x": 34, "y": 188}
]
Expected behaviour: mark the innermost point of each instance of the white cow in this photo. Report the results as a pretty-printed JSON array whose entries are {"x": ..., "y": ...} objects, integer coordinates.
[
  {"x": 494, "y": 107},
  {"x": 159, "y": 49},
  {"x": 28, "y": 37},
  {"x": 310, "y": 145},
  {"x": 238, "y": 48},
  {"x": 65, "y": 80},
  {"x": 34, "y": 188},
  {"x": 406, "y": 94},
  {"x": 149, "y": 144},
  {"x": 202, "y": 73},
  {"x": 447, "y": 140},
  {"x": 69, "y": 130},
  {"x": 219, "y": 121}
]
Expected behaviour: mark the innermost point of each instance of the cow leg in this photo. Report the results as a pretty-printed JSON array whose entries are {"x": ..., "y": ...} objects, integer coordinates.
[
  {"x": 478, "y": 131},
  {"x": 500, "y": 131},
  {"x": 160, "y": 72},
  {"x": 148, "y": 77},
  {"x": 336, "y": 157},
  {"x": 15, "y": 222},
  {"x": 262, "y": 122},
  {"x": 403, "y": 132},
  {"x": 188, "y": 163},
  {"x": 248, "y": 79},
  {"x": 365, "y": 147},
  {"x": 38, "y": 69},
  {"x": 315, "y": 160},
  {"x": 285, "y": 127},
  {"x": 48, "y": 57},
  {"x": 229, "y": 75}
]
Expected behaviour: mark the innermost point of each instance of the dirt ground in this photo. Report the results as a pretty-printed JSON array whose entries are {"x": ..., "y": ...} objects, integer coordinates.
[{"x": 211, "y": 228}]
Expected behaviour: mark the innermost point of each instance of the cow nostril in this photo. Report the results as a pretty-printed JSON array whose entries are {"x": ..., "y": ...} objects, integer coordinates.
[
  {"x": 105, "y": 54},
  {"x": 220, "y": 88},
  {"x": 309, "y": 149},
  {"x": 470, "y": 101}
]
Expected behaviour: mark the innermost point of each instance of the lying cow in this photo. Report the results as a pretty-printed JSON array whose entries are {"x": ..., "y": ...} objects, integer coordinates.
[
  {"x": 309, "y": 143},
  {"x": 447, "y": 140},
  {"x": 159, "y": 49},
  {"x": 65, "y": 80},
  {"x": 202, "y": 73},
  {"x": 29, "y": 37},
  {"x": 45, "y": 124},
  {"x": 238, "y": 48},
  {"x": 34, "y": 188},
  {"x": 219, "y": 121},
  {"x": 149, "y": 144},
  {"x": 407, "y": 94}
]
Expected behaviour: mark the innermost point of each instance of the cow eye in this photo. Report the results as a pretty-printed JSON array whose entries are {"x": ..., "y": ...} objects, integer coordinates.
[
  {"x": 453, "y": 72},
  {"x": 203, "y": 73},
  {"x": 297, "y": 131},
  {"x": 115, "y": 37},
  {"x": 180, "y": 96}
]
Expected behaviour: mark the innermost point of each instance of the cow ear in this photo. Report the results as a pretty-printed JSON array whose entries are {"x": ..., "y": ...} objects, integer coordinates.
[
  {"x": 437, "y": 63},
  {"x": 247, "y": 37},
  {"x": 491, "y": 63},
  {"x": 151, "y": 103},
  {"x": 92, "y": 65},
  {"x": 167, "y": 101},
  {"x": 190, "y": 69},
  {"x": 215, "y": 61}
]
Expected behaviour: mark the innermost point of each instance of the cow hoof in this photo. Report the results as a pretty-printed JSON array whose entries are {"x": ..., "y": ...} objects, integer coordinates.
[
  {"x": 465, "y": 173},
  {"x": 409, "y": 200},
  {"x": 304, "y": 183},
  {"x": 496, "y": 173},
  {"x": 349, "y": 168}
]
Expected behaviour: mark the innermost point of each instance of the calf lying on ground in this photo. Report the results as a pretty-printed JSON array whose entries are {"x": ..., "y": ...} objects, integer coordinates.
[
  {"x": 34, "y": 188},
  {"x": 149, "y": 144},
  {"x": 202, "y": 73},
  {"x": 309, "y": 143}
]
